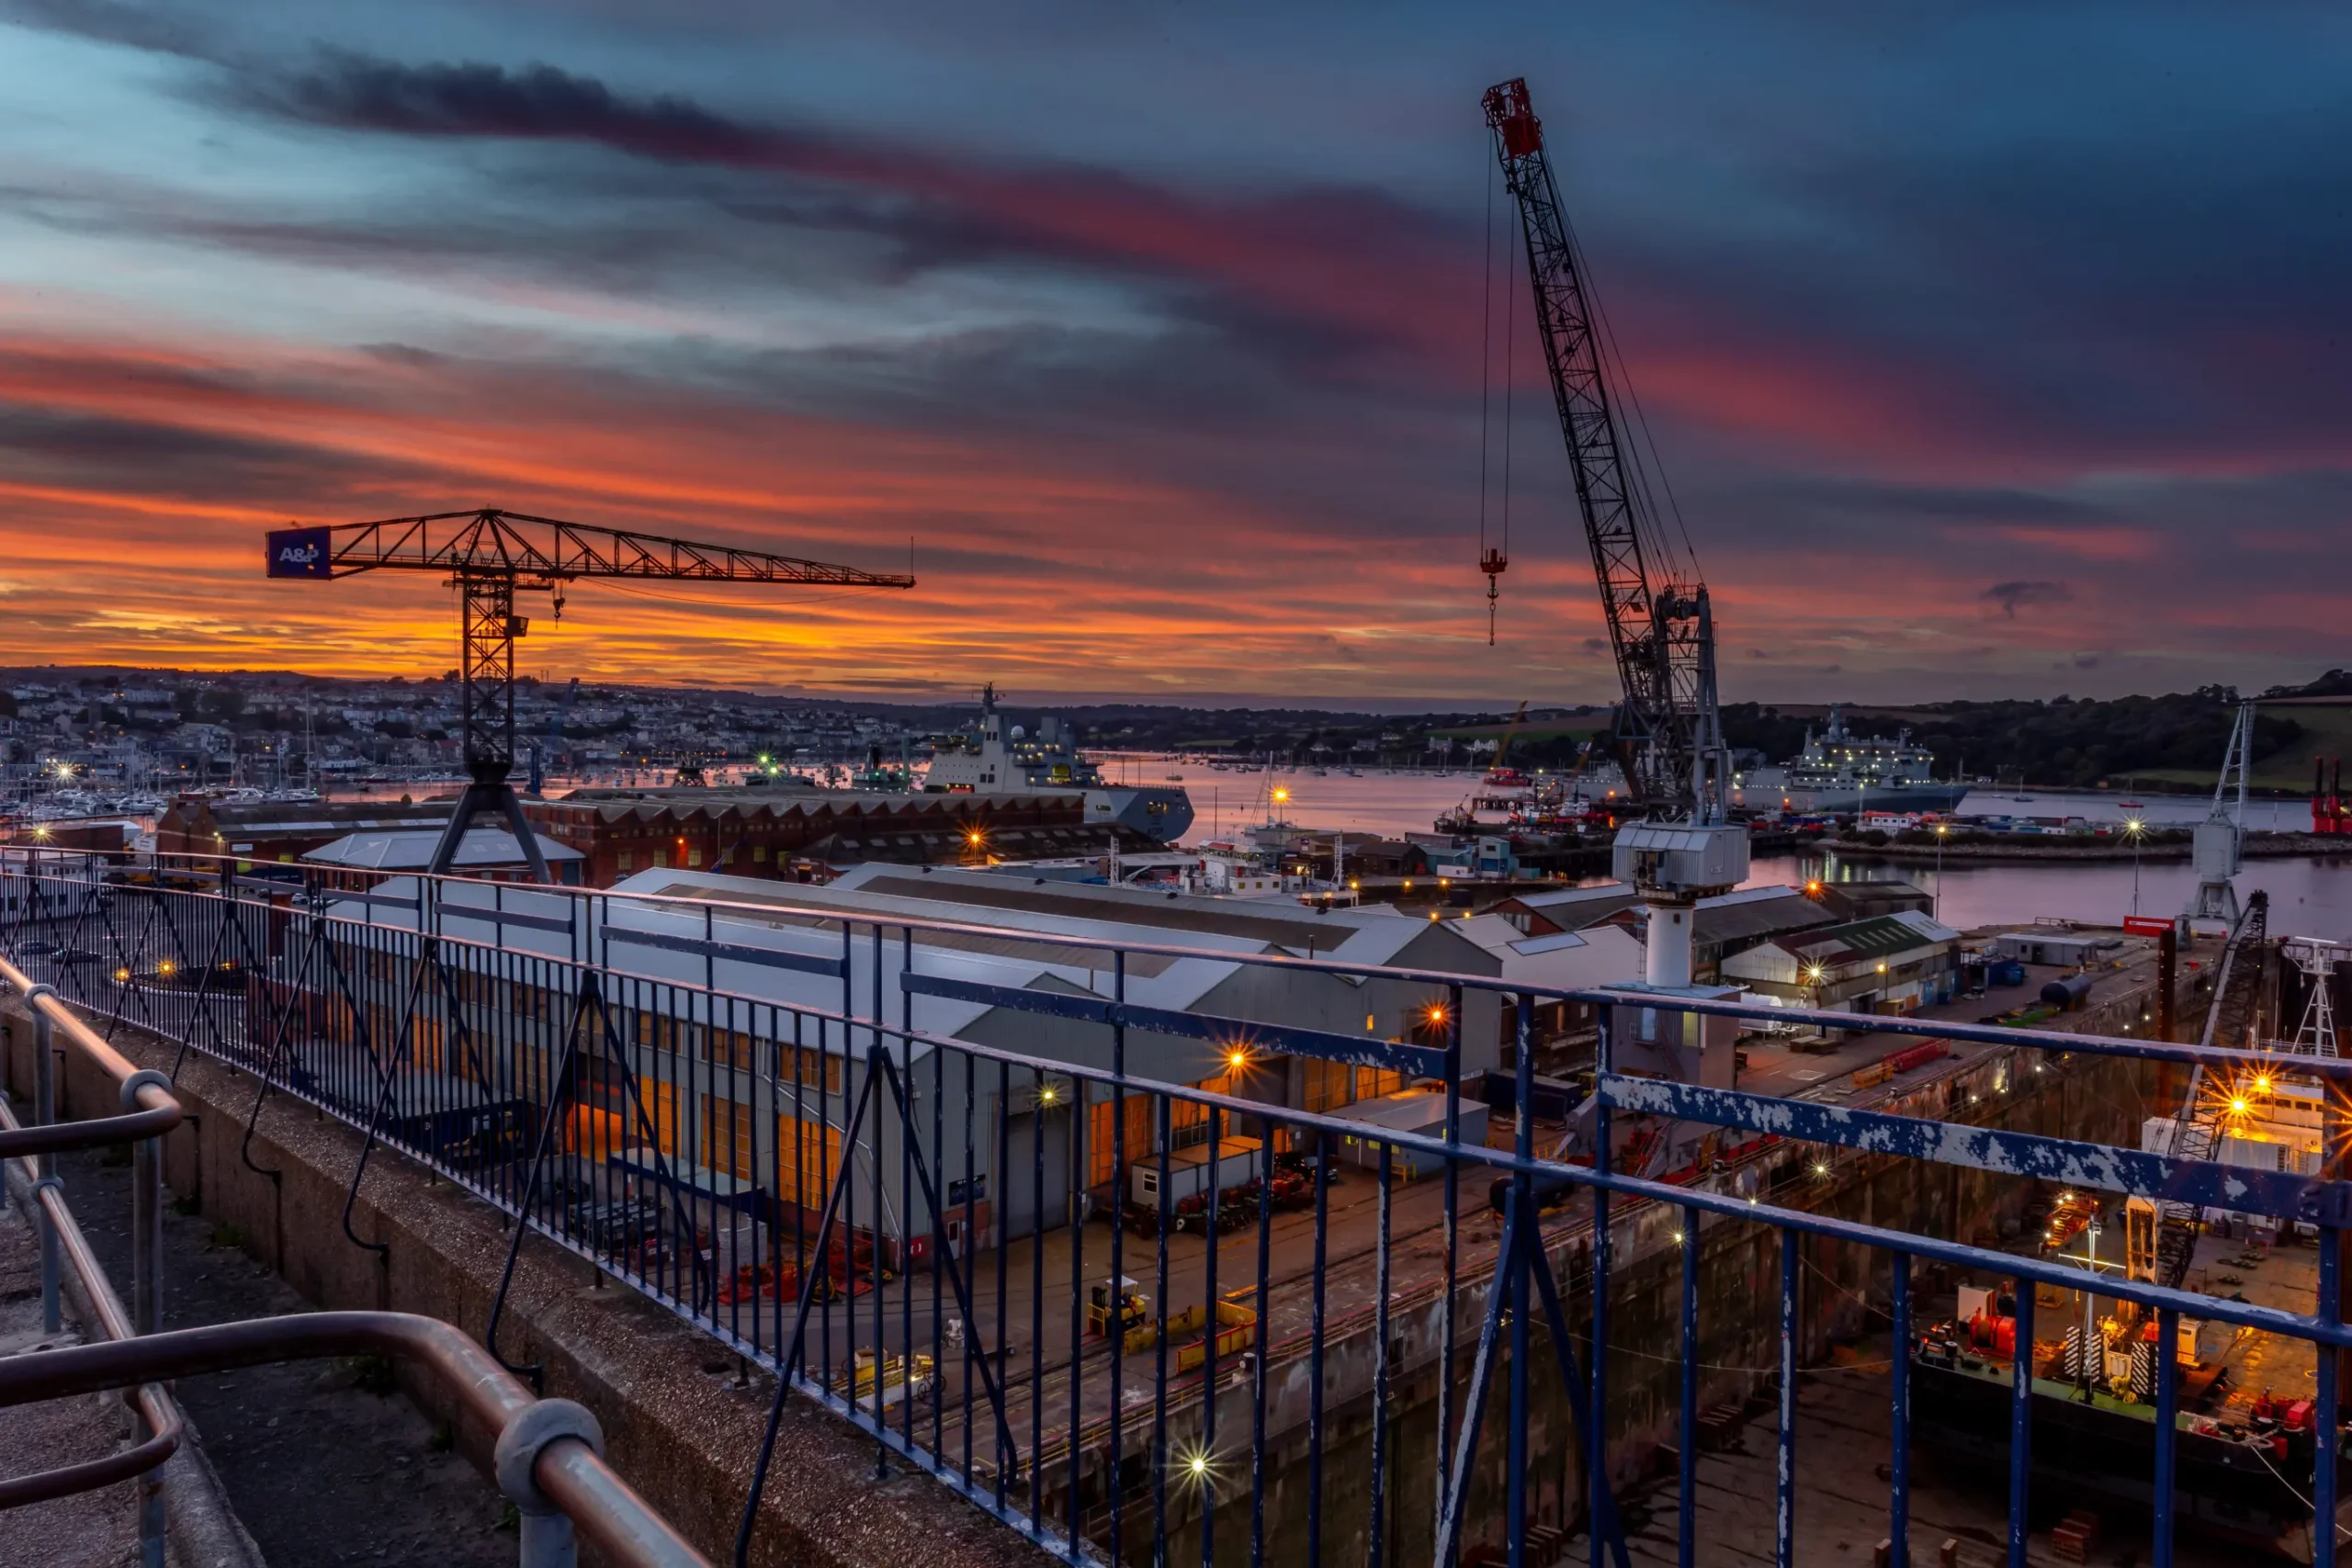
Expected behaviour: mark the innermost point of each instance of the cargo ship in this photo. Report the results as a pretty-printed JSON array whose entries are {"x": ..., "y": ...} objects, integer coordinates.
[{"x": 999, "y": 762}]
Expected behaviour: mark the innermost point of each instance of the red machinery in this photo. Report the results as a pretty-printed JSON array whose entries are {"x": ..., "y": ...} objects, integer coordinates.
[{"x": 2330, "y": 814}]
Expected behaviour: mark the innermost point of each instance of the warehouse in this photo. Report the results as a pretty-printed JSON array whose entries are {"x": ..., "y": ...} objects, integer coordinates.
[
  {"x": 752, "y": 1085},
  {"x": 1888, "y": 963}
]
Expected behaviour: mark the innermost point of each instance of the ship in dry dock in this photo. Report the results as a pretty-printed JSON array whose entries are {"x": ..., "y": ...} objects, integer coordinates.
[{"x": 2245, "y": 1407}]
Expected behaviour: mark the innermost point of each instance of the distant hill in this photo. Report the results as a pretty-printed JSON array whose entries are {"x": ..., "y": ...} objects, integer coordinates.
[{"x": 2070, "y": 743}]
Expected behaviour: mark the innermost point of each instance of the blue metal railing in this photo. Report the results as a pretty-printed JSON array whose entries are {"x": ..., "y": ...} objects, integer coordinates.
[{"x": 896, "y": 1209}]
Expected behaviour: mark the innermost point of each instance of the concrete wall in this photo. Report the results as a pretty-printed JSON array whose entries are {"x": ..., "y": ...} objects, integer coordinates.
[{"x": 677, "y": 1425}]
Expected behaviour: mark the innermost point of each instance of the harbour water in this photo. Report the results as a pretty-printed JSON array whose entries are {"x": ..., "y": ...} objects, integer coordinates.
[{"x": 2307, "y": 898}]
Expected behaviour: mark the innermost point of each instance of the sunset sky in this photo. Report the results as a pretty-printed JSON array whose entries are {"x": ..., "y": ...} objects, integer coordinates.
[{"x": 1999, "y": 353}]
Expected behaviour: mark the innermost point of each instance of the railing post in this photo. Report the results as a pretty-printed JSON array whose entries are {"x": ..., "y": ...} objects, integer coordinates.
[
  {"x": 147, "y": 1298},
  {"x": 1899, "y": 1467},
  {"x": 2326, "y": 1441},
  {"x": 1596, "y": 1445},
  {"x": 52, "y": 1317},
  {"x": 547, "y": 1534}
]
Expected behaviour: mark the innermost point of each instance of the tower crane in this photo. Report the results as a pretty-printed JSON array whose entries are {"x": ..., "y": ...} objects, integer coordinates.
[
  {"x": 1661, "y": 627},
  {"x": 489, "y": 557}
]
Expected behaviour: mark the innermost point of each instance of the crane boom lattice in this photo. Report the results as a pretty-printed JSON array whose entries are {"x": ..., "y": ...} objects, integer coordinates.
[
  {"x": 490, "y": 556},
  {"x": 1660, "y": 628}
]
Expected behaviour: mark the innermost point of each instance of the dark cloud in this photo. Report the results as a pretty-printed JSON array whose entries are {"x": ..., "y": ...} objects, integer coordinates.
[
  {"x": 356, "y": 92},
  {"x": 147, "y": 458},
  {"x": 2008, "y": 597},
  {"x": 1314, "y": 266}
]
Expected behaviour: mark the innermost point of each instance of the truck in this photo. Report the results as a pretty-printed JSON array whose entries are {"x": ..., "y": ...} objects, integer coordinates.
[{"x": 1190, "y": 1172}]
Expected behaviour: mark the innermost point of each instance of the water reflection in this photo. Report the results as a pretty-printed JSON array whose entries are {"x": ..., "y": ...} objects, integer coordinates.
[{"x": 2308, "y": 898}]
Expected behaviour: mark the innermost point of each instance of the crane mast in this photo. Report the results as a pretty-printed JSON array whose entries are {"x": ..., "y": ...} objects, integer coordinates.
[
  {"x": 1661, "y": 630},
  {"x": 490, "y": 556},
  {"x": 1661, "y": 627}
]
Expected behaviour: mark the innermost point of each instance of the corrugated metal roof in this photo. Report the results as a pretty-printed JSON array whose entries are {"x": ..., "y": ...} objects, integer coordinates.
[{"x": 1739, "y": 918}]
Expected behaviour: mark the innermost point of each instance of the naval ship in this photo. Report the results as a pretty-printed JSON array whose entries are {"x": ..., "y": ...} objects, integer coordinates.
[
  {"x": 1841, "y": 772},
  {"x": 1050, "y": 763}
]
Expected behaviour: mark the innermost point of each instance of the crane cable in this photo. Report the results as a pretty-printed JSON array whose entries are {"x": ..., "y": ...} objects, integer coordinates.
[
  {"x": 1486, "y": 356},
  {"x": 1605, "y": 342}
]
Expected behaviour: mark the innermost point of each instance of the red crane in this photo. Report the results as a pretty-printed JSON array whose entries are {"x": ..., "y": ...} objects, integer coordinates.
[
  {"x": 1660, "y": 626},
  {"x": 490, "y": 556}
]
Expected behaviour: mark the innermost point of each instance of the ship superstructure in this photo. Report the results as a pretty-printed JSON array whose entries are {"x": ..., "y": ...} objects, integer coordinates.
[
  {"x": 1002, "y": 760},
  {"x": 1839, "y": 772}
]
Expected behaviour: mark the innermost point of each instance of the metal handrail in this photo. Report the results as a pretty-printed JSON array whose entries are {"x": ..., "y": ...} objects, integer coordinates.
[
  {"x": 165, "y": 1424},
  {"x": 2002, "y": 1035},
  {"x": 149, "y": 1111},
  {"x": 549, "y": 1454},
  {"x": 338, "y": 1060},
  {"x": 551, "y": 1447}
]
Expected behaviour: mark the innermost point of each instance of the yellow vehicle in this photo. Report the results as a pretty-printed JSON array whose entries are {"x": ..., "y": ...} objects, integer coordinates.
[
  {"x": 897, "y": 1382},
  {"x": 1134, "y": 1308}
]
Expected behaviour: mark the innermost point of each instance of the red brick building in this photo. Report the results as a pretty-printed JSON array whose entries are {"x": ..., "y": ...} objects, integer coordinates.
[{"x": 792, "y": 834}]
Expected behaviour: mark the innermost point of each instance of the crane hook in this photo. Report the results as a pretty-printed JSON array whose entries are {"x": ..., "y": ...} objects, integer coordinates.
[{"x": 1494, "y": 563}]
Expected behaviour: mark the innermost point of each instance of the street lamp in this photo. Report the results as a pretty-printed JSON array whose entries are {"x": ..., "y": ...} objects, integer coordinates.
[
  {"x": 1942, "y": 831},
  {"x": 2131, "y": 829}
]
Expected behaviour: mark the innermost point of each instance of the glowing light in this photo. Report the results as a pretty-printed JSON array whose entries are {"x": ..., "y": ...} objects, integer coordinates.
[
  {"x": 1820, "y": 1167},
  {"x": 1048, "y": 1094},
  {"x": 1678, "y": 1238},
  {"x": 165, "y": 967},
  {"x": 120, "y": 975},
  {"x": 1237, "y": 1058},
  {"x": 2238, "y": 1105},
  {"x": 1437, "y": 1012},
  {"x": 1280, "y": 795},
  {"x": 1813, "y": 887},
  {"x": 1435, "y": 916},
  {"x": 972, "y": 836},
  {"x": 2262, "y": 1085},
  {"x": 2131, "y": 827}
]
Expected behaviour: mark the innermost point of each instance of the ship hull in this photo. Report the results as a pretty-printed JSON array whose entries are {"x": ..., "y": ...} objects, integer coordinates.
[
  {"x": 2220, "y": 1488},
  {"x": 1803, "y": 801},
  {"x": 1162, "y": 812}
]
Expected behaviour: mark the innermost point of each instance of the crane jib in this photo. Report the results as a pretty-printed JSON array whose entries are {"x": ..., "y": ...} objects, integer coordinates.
[
  {"x": 1659, "y": 630},
  {"x": 488, "y": 556}
]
